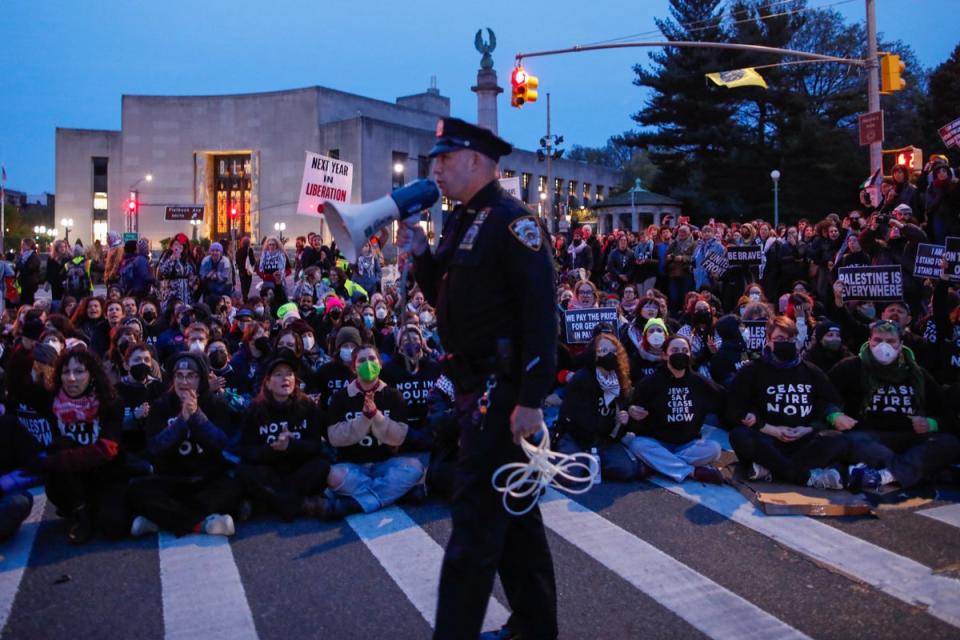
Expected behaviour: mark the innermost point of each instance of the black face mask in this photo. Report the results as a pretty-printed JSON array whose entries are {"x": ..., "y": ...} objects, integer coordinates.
[
  {"x": 262, "y": 344},
  {"x": 607, "y": 361},
  {"x": 411, "y": 349},
  {"x": 218, "y": 359},
  {"x": 785, "y": 351},
  {"x": 679, "y": 361},
  {"x": 149, "y": 316},
  {"x": 185, "y": 322},
  {"x": 701, "y": 317},
  {"x": 139, "y": 372}
]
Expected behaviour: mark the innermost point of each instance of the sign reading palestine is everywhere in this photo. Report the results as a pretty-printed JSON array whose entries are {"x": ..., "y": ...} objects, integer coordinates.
[{"x": 880, "y": 283}]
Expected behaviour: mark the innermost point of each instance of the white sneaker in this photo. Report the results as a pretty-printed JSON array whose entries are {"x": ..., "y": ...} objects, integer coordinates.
[
  {"x": 761, "y": 473},
  {"x": 219, "y": 525},
  {"x": 142, "y": 526},
  {"x": 825, "y": 479}
]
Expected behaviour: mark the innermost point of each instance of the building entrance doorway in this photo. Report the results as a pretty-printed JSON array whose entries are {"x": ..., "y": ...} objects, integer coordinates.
[{"x": 232, "y": 188}]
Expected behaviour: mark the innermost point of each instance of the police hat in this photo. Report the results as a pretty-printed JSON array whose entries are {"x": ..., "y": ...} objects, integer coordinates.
[{"x": 454, "y": 134}]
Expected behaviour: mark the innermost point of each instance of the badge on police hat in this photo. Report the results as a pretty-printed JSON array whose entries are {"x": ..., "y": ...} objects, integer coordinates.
[{"x": 527, "y": 231}]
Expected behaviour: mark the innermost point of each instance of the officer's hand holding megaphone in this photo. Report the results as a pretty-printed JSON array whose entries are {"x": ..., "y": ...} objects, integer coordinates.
[{"x": 411, "y": 237}]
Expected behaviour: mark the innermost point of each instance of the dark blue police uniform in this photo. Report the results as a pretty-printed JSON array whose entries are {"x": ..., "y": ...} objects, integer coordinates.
[{"x": 492, "y": 283}]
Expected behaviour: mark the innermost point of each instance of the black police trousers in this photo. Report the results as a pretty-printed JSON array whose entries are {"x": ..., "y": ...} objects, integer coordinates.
[
  {"x": 283, "y": 491},
  {"x": 487, "y": 540}
]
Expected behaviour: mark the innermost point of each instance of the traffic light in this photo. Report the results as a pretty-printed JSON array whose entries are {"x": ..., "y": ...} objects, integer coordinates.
[
  {"x": 910, "y": 157},
  {"x": 524, "y": 87},
  {"x": 233, "y": 211},
  {"x": 133, "y": 205},
  {"x": 891, "y": 68}
]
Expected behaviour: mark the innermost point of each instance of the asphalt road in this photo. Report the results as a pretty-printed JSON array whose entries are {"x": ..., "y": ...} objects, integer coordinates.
[{"x": 632, "y": 560}]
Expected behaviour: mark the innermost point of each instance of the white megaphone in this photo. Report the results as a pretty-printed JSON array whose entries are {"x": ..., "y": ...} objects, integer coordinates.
[{"x": 353, "y": 224}]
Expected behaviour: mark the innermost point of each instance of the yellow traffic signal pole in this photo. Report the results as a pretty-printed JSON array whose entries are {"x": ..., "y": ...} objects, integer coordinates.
[{"x": 871, "y": 64}]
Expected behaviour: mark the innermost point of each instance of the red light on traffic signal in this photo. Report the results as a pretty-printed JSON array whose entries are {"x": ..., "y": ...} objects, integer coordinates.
[
  {"x": 233, "y": 212},
  {"x": 519, "y": 76}
]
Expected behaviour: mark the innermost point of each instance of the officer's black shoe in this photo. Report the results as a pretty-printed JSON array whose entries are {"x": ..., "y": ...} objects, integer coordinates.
[
  {"x": 338, "y": 507},
  {"x": 81, "y": 528},
  {"x": 504, "y": 633}
]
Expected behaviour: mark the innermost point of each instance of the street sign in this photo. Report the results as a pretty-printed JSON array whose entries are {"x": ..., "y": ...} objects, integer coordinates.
[
  {"x": 950, "y": 134},
  {"x": 184, "y": 212},
  {"x": 131, "y": 235},
  {"x": 871, "y": 128}
]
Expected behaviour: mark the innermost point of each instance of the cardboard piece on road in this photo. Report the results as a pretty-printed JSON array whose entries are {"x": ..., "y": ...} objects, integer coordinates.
[
  {"x": 952, "y": 255},
  {"x": 777, "y": 499},
  {"x": 876, "y": 283}
]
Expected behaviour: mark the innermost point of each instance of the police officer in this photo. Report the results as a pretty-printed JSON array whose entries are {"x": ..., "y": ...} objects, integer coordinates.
[{"x": 491, "y": 280}]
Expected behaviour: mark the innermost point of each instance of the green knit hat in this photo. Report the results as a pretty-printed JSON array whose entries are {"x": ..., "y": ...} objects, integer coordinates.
[{"x": 656, "y": 322}]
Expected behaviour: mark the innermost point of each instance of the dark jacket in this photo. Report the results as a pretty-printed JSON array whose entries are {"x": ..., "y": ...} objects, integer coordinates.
[
  {"x": 266, "y": 418},
  {"x": 583, "y": 414},
  {"x": 188, "y": 448},
  {"x": 675, "y": 407}
]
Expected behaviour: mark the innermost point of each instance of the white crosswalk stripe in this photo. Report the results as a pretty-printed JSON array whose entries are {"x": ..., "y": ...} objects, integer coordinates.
[
  {"x": 203, "y": 596},
  {"x": 949, "y": 514},
  {"x": 900, "y": 577},
  {"x": 413, "y": 560},
  {"x": 703, "y": 603},
  {"x": 15, "y": 555}
]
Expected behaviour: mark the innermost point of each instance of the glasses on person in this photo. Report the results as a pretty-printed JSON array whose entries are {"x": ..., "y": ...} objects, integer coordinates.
[{"x": 186, "y": 377}]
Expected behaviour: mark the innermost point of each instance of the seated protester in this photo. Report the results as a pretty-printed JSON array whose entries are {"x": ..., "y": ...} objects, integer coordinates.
[
  {"x": 89, "y": 321},
  {"x": 336, "y": 374},
  {"x": 290, "y": 340},
  {"x": 29, "y": 415},
  {"x": 413, "y": 373},
  {"x": 152, "y": 325},
  {"x": 732, "y": 353},
  {"x": 251, "y": 358},
  {"x": 85, "y": 476},
  {"x": 899, "y": 314},
  {"x": 800, "y": 310},
  {"x": 120, "y": 340},
  {"x": 137, "y": 388},
  {"x": 629, "y": 304},
  {"x": 593, "y": 416},
  {"x": 698, "y": 328},
  {"x": 780, "y": 404},
  {"x": 667, "y": 414},
  {"x": 441, "y": 420},
  {"x": 15, "y": 501},
  {"x": 367, "y": 426},
  {"x": 894, "y": 414},
  {"x": 242, "y": 319},
  {"x": 648, "y": 356},
  {"x": 192, "y": 490},
  {"x": 224, "y": 380},
  {"x": 172, "y": 340},
  {"x": 313, "y": 356},
  {"x": 827, "y": 348},
  {"x": 284, "y": 465},
  {"x": 854, "y": 318}
]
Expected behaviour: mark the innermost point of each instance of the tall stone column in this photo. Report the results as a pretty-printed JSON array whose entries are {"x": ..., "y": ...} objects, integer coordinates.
[{"x": 486, "y": 88}]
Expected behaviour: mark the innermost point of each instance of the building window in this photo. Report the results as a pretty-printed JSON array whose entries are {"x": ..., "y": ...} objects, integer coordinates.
[
  {"x": 423, "y": 167},
  {"x": 542, "y": 183},
  {"x": 334, "y": 153},
  {"x": 100, "y": 201},
  {"x": 233, "y": 188},
  {"x": 525, "y": 187},
  {"x": 572, "y": 188},
  {"x": 398, "y": 168},
  {"x": 100, "y": 231},
  {"x": 508, "y": 173},
  {"x": 599, "y": 193}
]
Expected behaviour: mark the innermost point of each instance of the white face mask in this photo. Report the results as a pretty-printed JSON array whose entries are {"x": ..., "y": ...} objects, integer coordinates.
[
  {"x": 346, "y": 355},
  {"x": 308, "y": 343},
  {"x": 426, "y": 318},
  {"x": 656, "y": 338},
  {"x": 197, "y": 346},
  {"x": 884, "y": 353},
  {"x": 754, "y": 297},
  {"x": 381, "y": 313},
  {"x": 55, "y": 345}
]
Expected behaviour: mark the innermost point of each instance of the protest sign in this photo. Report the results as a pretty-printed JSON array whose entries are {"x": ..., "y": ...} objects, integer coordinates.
[
  {"x": 881, "y": 283},
  {"x": 952, "y": 255},
  {"x": 512, "y": 186},
  {"x": 581, "y": 322},
  {"x": 950, "y": 134},
  {"x": 928, "y": 262},
  {"x": 716, "y": 264},
  {"x": 757, "y": 334},
  {"x": 323, "y": 179},
  {"x": 745, "y": 255}
]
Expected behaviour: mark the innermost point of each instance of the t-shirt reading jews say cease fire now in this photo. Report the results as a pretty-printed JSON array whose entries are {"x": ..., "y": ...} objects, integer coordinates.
[{"x": 797, "y": 396}]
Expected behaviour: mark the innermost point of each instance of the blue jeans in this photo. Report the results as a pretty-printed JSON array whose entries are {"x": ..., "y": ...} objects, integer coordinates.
[
  {"x": 676, "y": 461},
  {"x": 375, "y": 485}
]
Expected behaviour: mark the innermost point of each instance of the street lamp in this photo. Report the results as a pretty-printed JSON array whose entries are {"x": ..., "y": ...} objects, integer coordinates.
[
  {"x": 133, "y": 207},
  {"x": 280, "y": 227},
  {"x": 398, "y": 168},
  {"x": 67, "y": 227},
  {"x": 775, "y": 176}
]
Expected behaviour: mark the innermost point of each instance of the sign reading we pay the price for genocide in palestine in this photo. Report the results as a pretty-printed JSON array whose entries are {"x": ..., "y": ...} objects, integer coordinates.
[
  {"x": 881, "y": 283},
  {"x": 324, "y": 179}
]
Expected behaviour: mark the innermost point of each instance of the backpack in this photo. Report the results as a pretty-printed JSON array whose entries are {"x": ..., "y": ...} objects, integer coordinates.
[
  {"x": 76, "y": 282},
  {"x": 127, "y": 275}
]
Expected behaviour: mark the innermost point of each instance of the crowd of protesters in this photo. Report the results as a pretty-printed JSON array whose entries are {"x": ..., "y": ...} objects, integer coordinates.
[{"x": 185, "y": 400}]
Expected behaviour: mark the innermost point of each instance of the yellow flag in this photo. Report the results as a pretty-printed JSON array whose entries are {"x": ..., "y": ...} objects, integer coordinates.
[{"x": 738, "y": 78}]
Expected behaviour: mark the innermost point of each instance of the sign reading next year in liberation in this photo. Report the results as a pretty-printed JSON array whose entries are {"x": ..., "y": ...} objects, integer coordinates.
[
  {"x": 880, "y": 283},
  {"x": 323, "y": 179}
]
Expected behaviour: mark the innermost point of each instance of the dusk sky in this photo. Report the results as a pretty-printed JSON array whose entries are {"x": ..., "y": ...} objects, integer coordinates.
[{"x": 68, "y": 63}]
